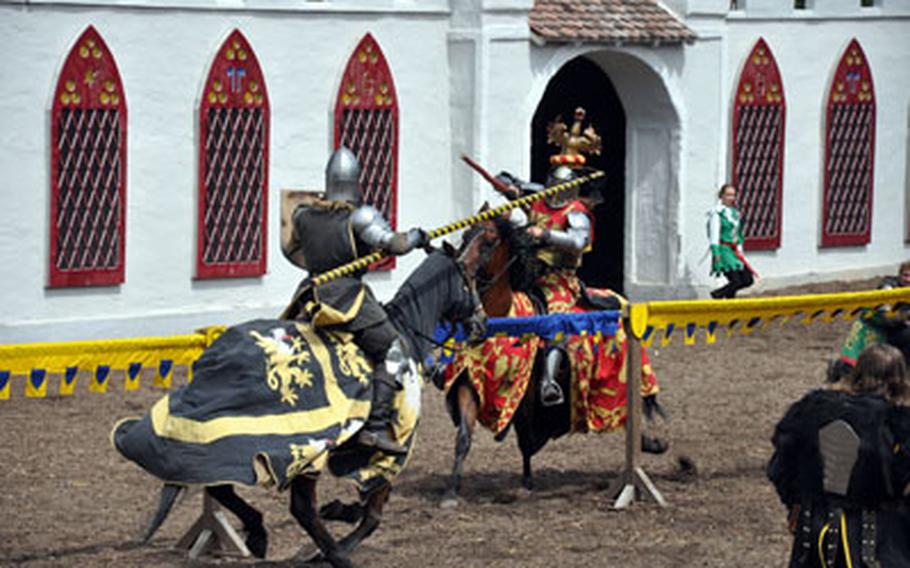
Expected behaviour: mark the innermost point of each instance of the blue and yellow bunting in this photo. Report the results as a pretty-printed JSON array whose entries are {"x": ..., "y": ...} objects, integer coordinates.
[
  {"x": 163, "y": 378},
  {"x": 4, "y": 385},
  {"x": 68, "y": 381},
  {"x": 36, "y": 385},
  {"x": 743, "y": 316},
  {"x": 99, "y": 381},
  {"x": 133, "y": 372}
]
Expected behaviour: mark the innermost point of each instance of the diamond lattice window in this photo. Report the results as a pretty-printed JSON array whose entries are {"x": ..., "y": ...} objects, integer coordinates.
[
  {"x": 88, "y": 168},
  {"x": 849, "y": 152},
  {"x": 233, "y": 165},
  {"x": 366, "y": 122},
  {"x": 759, "y": 116}
]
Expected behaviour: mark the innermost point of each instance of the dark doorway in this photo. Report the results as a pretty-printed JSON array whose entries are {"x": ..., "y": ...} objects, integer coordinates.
[{"x": 581, "y": 83}]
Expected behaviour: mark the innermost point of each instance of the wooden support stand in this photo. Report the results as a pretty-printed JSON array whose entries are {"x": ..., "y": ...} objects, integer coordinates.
[
  {"x": 632, "y": 481},
  {"x": 210, "y": 531}
]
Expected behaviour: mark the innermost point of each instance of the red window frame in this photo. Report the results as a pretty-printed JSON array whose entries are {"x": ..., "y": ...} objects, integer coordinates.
[
  {"x": 88, "y": 117},
  {"x": 234, "y": 104},
  {"x": 366, "y": 122},
  {"x": 849, "y": 151},
  {"x": 759, "y": 126}
]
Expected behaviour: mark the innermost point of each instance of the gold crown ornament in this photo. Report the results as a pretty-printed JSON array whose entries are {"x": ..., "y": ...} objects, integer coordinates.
[{"x": 574, "y": 141}]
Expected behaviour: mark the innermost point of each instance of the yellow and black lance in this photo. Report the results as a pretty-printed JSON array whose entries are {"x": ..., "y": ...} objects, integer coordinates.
[{"x": 365, "y": 261}]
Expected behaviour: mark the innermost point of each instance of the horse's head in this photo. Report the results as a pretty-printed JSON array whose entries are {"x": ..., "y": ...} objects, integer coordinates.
[
  {"x": 507, "y": 263},
  {"x": 478, "y": 246}
]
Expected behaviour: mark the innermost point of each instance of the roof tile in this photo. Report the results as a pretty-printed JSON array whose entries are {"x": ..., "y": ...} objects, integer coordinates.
[{"x": 629, "y": 21}]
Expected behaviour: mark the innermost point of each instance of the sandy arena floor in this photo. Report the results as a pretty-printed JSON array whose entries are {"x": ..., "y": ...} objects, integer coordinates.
[{"x": 68, "y": 500}]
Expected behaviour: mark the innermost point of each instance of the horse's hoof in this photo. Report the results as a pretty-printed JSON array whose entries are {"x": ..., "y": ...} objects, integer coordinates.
[
  {"x": 257, "y": 542},
  {"x": 527, "y": 483},
  {"x": 316, "y": 557},
  {"x": 338, "y": 511},
  {"x": 653, "y": 445},
  {"x": 448, "y": 503},
  {"x": 339, "y": 561}
]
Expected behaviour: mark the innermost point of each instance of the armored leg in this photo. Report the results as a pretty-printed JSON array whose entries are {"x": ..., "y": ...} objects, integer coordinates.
[
  {"x": 386, "y": 382},
  {"x": 550, "y": 391}
]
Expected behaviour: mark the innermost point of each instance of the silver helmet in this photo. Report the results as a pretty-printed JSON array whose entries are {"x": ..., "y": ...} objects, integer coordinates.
[
  {"x": 342, "y": 177},
  {"x": 557, "y": 175}
]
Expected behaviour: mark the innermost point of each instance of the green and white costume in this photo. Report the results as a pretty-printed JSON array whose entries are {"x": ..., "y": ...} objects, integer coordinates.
[{"x": 725, "y": 233}]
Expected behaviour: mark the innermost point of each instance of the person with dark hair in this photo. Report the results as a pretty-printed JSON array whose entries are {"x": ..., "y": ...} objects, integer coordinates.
[
  {"x": 725, "y": 234},
  {"x": 841, "y": 465},
  {"x": 880, "y": 326}
]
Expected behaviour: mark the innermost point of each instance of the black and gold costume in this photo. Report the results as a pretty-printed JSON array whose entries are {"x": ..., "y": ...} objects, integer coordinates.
[{"x": 868, "y": 526}]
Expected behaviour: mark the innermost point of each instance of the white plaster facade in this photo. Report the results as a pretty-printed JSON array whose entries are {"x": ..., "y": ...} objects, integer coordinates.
[{"x": 469, "y": 76}]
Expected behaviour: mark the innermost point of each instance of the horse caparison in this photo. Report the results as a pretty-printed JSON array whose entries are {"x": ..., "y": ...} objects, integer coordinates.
[
  {"x": 441, "y": 288},
  {"x": 513, "y": 269}
]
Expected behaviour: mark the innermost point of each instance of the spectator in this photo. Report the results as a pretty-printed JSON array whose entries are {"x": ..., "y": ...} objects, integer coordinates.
[
  {"x": 725, "y": 233},
  {"x": 877, "y": 327},
  {"x": 841, "y": 465}
]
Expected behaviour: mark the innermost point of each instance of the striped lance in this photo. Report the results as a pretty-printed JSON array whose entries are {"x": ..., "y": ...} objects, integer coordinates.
[{"x": 365, "y": 261}]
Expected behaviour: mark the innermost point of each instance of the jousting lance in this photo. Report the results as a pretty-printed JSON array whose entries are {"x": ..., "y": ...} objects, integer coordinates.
[{"x": 365, "y": 261}]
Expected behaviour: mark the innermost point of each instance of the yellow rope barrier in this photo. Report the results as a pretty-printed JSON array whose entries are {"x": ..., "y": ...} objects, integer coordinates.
[
  {"x": 365, "y": 261},
  {"x": 38, "y": 360},
  {"x": 748, "y": 314},
  {"x": 101, "y": 357}
]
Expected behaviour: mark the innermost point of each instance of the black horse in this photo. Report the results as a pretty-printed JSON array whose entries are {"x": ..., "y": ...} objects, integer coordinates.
[{"x": 441, "y": 288}]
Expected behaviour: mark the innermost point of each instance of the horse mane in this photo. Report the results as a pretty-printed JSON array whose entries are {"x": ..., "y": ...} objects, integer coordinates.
[{"x": 526, "y": 268}]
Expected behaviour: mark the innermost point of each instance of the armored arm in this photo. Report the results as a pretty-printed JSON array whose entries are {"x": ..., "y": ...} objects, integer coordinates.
[
  {"x": 372, "y": 228},
  {"x": 576, "y": 238}
]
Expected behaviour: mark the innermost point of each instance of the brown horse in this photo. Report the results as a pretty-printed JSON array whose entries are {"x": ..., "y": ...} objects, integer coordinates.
[{"x": 504, "y": 285}]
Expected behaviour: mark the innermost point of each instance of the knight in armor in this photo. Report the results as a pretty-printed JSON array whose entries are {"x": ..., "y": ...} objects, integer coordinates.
[
  {"x": 841, "y": 465},
  {"x": 563, "y": 226},
  {"x": 327, "y": 233}
]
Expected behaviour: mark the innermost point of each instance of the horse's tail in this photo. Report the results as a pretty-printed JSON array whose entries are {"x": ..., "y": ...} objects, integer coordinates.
[{"x": 169, "y": 494}]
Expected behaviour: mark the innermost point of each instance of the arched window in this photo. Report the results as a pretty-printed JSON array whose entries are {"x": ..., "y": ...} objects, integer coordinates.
[
  {"x": 88, "y": 168},
  {"x": 233, "y": 165},
  {"x": 366, "y": 122},
  {"x": 849, "y": 152},
  {"x": 759, "y": 118}
]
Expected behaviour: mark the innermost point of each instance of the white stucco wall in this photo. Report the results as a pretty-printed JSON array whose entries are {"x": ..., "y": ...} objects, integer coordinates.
[
  {"x": 163, "y": 56},
  {"x": 469, "y": 76},
  {"x": 807, "y": 46}
]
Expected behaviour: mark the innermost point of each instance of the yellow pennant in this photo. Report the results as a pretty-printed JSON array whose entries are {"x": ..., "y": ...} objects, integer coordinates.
[
  {"x": 68, "y": 381},
  {"x": 36, "y": 385}
]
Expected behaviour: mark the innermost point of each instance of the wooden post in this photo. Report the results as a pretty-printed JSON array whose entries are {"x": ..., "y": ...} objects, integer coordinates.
[
  {"x": 211, "y": 530},
  {"x": 632, "y": 481}
]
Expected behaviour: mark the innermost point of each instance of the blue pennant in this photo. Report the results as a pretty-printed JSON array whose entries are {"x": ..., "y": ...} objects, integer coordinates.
[
  {"x": 70, "y": 375},
  {"x": 711, "y": 327},
  {"x": 753, "y": 322},
  {"x": 37, "y": 378},
  {"x": 134, "y": 369},
  {"x": 4, "y": 378},
  {"x": 647, "y": 334},
  {"x": 101, "y": 373},
  {"x": 164, "y": 368}
]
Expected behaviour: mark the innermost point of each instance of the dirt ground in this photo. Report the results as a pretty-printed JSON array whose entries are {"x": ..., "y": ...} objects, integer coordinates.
[{"x": 67, "y": 499}]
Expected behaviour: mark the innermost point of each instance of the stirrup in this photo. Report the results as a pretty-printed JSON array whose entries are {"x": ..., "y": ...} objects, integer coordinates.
[
  {"x": 380, "y": 441},
  {"x": 551, "y": 394}
]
